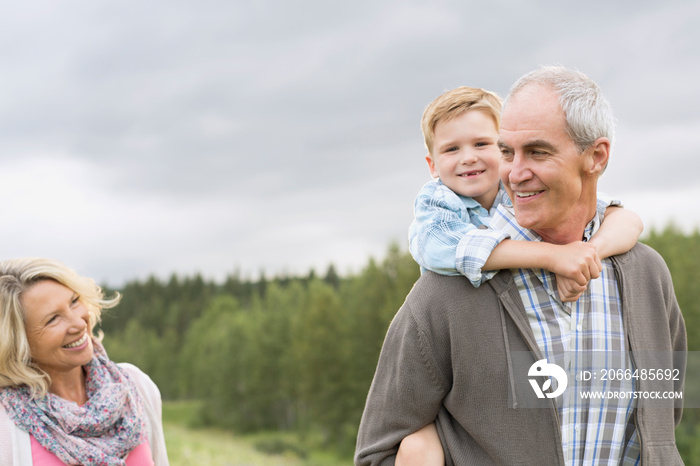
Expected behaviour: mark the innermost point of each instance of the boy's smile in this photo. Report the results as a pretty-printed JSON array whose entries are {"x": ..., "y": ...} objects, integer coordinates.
[{"x": 465, "y": 156}]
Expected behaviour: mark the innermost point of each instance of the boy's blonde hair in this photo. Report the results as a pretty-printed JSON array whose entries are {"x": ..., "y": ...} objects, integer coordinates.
[
  {"x": 456, "y": 102},
  {"x": 16, "y": 277}
]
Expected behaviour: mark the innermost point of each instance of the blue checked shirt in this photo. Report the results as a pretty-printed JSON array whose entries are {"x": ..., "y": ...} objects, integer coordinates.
[
  {"x": 594, "y": 431},
  {"x": 450, "y": 234},
  {"x": 444, "y": 226}
]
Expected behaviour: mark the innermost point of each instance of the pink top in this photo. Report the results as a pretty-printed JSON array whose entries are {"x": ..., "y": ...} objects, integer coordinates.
[{"x": 139, "y": 456}]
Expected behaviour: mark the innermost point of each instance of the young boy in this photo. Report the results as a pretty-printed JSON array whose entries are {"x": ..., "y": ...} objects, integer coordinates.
[{"x": 450, "y": 233}]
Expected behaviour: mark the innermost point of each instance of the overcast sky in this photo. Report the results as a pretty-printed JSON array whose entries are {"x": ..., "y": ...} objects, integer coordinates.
[{"x": 153, "y": 137}]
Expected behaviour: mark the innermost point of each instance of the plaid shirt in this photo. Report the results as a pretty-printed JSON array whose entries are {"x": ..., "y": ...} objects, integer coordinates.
[
  {"x": 450, "y": 234},
  {"x": 593, "y": 431},
  {"x": 445, "y": 224}
]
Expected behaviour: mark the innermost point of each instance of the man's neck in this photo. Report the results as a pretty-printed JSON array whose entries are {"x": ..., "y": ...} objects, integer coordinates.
[{"x": 571, "y": 229}]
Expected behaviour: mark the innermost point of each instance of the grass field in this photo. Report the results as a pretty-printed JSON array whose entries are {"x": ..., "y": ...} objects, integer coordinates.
[{"x": 188, "y": 446}]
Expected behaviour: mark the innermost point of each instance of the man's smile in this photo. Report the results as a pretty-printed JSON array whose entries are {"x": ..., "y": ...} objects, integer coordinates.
[{"x": 527, "y": 195}]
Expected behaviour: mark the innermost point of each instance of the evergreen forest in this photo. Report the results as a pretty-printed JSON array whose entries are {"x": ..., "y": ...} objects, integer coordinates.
[{"x": 296, "y": 354}]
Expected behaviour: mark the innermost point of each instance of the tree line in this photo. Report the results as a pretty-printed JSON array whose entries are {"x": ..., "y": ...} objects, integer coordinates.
[{"x": 298, "y": 353}]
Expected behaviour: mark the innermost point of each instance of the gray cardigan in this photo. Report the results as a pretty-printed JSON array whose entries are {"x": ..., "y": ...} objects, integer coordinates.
[{"x": 447, "y": 358}]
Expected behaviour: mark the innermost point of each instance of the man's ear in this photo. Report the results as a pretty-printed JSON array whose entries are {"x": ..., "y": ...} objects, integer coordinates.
[
  {"x": 431, "y": 166},
  {"x": 597, "y": 157}
]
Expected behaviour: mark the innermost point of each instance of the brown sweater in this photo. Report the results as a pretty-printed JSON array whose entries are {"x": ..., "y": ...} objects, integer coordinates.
[{"x": 447, "y": 357}]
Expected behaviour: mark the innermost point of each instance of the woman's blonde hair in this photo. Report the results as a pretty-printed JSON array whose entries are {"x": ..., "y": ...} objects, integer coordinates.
[{"x": 16, "y": 277}]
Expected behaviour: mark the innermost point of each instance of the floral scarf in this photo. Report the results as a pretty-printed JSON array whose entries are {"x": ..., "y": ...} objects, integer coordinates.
[{"x": 100, "y": 433}]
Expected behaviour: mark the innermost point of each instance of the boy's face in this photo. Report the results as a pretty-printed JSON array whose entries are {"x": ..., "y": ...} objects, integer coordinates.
[{"x": 465, "y": 156}]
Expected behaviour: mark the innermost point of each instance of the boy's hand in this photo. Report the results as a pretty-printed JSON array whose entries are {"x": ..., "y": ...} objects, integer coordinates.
[
  {"x": 569, "y": 290},
  {"x": 578, "y": 261},
  {"x": 575, "y": 264}
]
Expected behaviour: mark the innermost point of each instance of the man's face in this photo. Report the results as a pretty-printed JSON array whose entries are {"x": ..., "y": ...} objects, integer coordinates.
[{"x": 541, "y": 167}]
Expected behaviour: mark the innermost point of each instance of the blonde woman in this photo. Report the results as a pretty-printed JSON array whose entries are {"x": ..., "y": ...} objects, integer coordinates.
[{"x": 62, "y": 401}]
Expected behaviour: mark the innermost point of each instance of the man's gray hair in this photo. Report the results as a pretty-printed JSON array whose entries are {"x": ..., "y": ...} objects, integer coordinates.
[{"x": 588, "y": 114}]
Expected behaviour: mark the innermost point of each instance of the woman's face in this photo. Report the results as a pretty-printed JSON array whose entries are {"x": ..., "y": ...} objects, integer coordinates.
[{"x": 56, "y": 322}]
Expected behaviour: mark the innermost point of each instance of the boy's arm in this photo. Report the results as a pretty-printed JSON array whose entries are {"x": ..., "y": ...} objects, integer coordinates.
[
  {"x": 441, "y": 222},
  {"x": 578, "y": 261},
  {"x": 479, "y": 256},
  {"x": 618, "y": 233},
  {"x": 575, "y": 263}
]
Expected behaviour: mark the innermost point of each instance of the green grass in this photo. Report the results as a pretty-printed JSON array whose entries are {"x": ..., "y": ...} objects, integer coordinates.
[
  {"x": 189, "y": 446},
  {"x": 215, "y": 448}
]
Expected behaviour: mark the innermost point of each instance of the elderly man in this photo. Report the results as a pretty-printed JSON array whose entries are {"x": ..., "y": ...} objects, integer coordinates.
[{"x": 451, "y": 352}]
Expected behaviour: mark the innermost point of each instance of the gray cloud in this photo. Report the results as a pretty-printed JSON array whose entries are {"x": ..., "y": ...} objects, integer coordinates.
[{"x": 285, "y": 135}]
